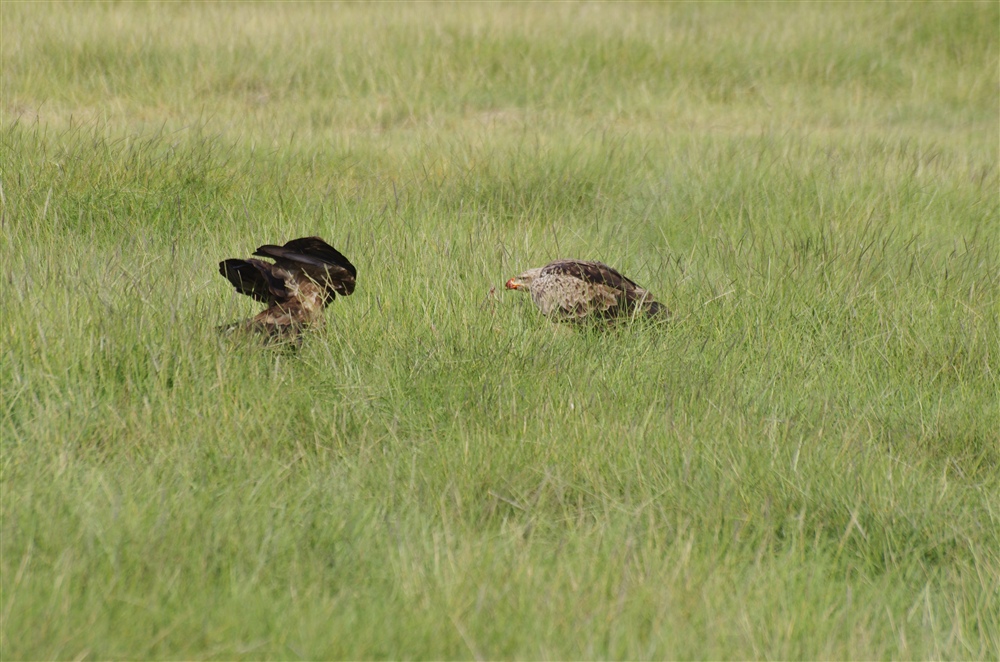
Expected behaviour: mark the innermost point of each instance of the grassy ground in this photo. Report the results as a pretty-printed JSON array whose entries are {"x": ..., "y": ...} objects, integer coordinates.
[{"x": 805, "y": 464}]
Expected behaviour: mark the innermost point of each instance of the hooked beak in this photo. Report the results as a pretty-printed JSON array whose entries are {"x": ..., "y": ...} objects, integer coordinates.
[{"x": 512, "y": 284}]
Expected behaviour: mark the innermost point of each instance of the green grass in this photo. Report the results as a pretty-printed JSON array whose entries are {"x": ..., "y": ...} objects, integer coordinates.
[{"x": 804, "y": 464}]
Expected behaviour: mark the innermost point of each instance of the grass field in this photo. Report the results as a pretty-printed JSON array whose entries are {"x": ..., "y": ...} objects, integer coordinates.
[{"x": 804, "y": 464}]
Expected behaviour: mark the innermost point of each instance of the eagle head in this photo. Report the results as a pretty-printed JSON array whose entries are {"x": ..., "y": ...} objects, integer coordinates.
[{"x": 523, "y": 281}]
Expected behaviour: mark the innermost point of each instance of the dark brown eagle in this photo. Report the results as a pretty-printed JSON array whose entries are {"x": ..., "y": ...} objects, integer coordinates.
[
  {"x": 578, "y": 290},
  {"x": 306, "y": 275}
]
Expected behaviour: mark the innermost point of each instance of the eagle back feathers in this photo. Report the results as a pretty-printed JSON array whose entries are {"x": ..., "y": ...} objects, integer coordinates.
[
  {"x": 577, "y": 289},
  {"x": 306, "y": 275},
  {"x": 591, "y": 272},
  {"x": 256, "y": 279},
  {"x": 316, "y": 260}
]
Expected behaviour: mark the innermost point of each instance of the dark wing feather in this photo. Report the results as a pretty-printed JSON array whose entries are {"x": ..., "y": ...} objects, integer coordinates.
[
  {"x": 255, "y": 279},
  {"x": 591, "y": 272},
  {"x": 598, "y": 273},
  {"x": 318, "y": 260}
]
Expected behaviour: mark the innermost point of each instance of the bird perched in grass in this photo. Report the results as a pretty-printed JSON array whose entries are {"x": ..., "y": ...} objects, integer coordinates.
[
  {"x": 579, "y": 290},
  {"x": 306, "y": 275}
]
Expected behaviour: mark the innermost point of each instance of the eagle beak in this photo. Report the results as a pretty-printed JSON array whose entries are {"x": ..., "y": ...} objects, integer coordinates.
[{"x": 512, "y": 284}]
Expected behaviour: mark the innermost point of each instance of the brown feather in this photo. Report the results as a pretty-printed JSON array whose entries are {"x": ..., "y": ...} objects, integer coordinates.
[
  {"x": 581, "y": 289},
  {"x": 306, "y": 275},
  {"x": 591, "y": 272},
  {"x": 254, "y": 278},
  {"x": 316, "y": 259}
]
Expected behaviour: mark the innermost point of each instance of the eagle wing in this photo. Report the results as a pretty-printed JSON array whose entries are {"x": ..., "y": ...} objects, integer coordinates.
[
  {"x": 256, "y": 279},
  {"x": 312, "y": 259},
  {"x": 305, "y": 276},
  {"x": 606, "y": 289},
  {"x": 596, "y": 273}
]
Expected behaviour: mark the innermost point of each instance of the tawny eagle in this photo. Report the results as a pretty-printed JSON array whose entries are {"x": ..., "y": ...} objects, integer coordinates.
[
  {"x": 579, "y": 290},
  {"x": 306, "y": 275}
]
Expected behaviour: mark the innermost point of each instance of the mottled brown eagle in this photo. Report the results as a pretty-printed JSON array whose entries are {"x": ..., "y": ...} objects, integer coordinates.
[
  {"x": 306, "y": 275},
  {"x": 578, "y": 290}
]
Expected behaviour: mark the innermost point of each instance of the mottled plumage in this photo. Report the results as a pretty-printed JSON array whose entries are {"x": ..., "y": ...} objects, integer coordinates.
[
  {"x": 305, "y": 276},
  {"x": 580, "y": 289}
]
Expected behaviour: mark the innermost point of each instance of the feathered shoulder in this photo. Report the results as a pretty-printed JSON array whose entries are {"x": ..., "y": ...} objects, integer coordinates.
[
  {"x": 316, "y": 259},
  {"x": 596, "y": 273}
]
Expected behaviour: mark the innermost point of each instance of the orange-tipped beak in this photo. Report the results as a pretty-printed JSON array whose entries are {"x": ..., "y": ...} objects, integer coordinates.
[{"x": 512, "y": 284}]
